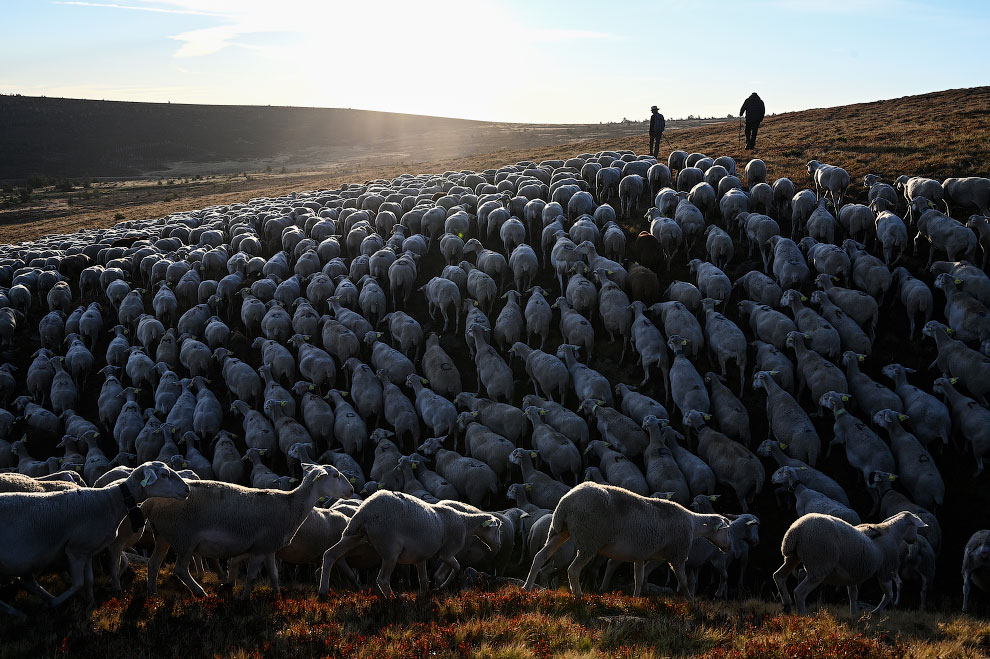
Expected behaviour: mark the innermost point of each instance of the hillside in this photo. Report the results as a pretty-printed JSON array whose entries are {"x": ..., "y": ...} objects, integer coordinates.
[
  {"x": 76, "y": 138},
  {"x": 939, "y": 135}
]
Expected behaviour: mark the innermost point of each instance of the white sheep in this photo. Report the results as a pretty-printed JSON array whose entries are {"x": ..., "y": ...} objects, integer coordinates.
[
  {"x": 40, "y": 528},
  {"x": 404, "y": 530},
  {"x": 621, "y": 525},
  {"x": 838, "y": 553},
  {"x": 223, "y": 520}
]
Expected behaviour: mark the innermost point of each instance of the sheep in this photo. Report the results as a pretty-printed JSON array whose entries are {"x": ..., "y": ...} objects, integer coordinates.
[
  {"x": 892, "y": 234},
  {"x": 756, "y": 172},
  {"x": 890, "y": 502},
  {"x": 662, "y": 473},
  {"x": 827, "y": 258},
  {"x": 538, "y": 315},
  {"x": 760, "y": 288},
  {"x": 613, "y": 307},
  {"x": 255, "y": 522},
  {"x": 810, "y": 476},
  {"x": 815, "y": 373},
  {"x": 691, "y": 220},
  {"x": 789, "y": 266},
  {"x": 544, "y": 491},
  {"x": 712, "y": 282},
  {"x": 678, "y": 319},
  {"x": 860, "y": 306},
  {"x": 733, "y": 464},
  {"x": 630, "y": 188},
  {"x": 915, "y": 465},
  {"x": 586, "y": 381},
  {"x": 507, "y": 420},
  {"x": 618, "y": 469},
  {"x": 802, "y": 205},
  {"x": 976, "y": 560},
  {"x": 834, "y": 551},
  {"x": 686, "y": 385},
  {"x": 441, "y": 294},
  {"x": 956, "y": 359},
  {"x": 865, "y": 451},
  {"x": 830, "y": 180},
  {"x": 859, "y": 221},
  {"x": 851, "y": 335},
  {"x": 621, "y": 525},
  {"x": 559, "y": 452},
  {"x": 783, "y": 191},
  {"x": 670, "y": 236},
  {"x": 648, "y": 342},
  {"x": 546, "y": 371},
  {"x": 917, "y": 187},
  {"x": 730, "y": 414},
  {"x": 686, "y": 293},
  {"x": 401, "y": 529},
  {"x": 42, "y": 527},
  {"x": 981, "y": 225},
  {"x": 821, "y": 224},
  {"x": 943, "y": 233},
  {"x": 483, "y": 443},
  {"x": 972, "y": 279},
  {"x": 963, "y": 313},
  {"x": 969, "y": 192},
  {"x": 581, "y": 292},
  {"x": 789, "y": 423},
  {"x": 768, "y": 325},
  {"x": 733, "y": 206},
  {"x": 474, "y": 480},
  {"x": 761, "y": 197},
  {"x": 808, "y": 500},
  {"x": 20, "y": 483},
  {"x": 970, "y": 421},
  {"x": 876, "y": 189},
  {"x": 438, "y": 413},
  {"x": 870, "y": 396},
  {"x": 917, "y": 563},
  {"x": 928, "y": 418},
  {"x": 562, "y": 419}
]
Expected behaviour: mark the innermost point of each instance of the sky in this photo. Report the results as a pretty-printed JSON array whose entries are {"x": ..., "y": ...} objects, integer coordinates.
[{"x": 538, "y": 61}]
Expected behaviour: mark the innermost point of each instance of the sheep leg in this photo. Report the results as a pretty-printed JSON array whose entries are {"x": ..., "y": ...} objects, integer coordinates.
[
  {"x": 965, "y": 590},
  {"x": 181, "y": 571},
  {"x": 639, "y": 568},
  {"x": 888, "y": 595},
  {"x": 554, "y": 542},
  {"x": 332, "y": 555},
  {"x": 253, "y": 569},
  {"x": 88, "y": 582},
  {"x": 385, "y": 576},
  {"x": 455, "y": 569},
  {"x": 853, "y": 592},
  {"x": 32, "y": 586},
  {"x": 424, "y": 577},
  {"x": 780, "y": 578},
  {"x": 581, "y": 560},
  {"x": 680, "y": 573},
  {"x": 155, "y": 564},
  {"x": 77, "y": 569},
  {"x": 804, "y": 589},
  {"x": 272, "y": 569}
]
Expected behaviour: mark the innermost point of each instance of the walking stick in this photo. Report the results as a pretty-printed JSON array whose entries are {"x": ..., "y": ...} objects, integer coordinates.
[{"x": 740, "y": 130}]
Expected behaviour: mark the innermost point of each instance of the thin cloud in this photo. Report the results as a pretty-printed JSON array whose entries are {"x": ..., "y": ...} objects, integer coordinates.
[{"x": 158, "y": 10}]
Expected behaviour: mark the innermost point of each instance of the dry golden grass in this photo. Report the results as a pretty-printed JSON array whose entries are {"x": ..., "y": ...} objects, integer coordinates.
[
  {"x": 938, "y": 135},
  {"x": 504, "y": 623}
]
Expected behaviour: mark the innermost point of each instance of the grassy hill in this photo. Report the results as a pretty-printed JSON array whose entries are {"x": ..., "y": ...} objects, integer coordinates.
[
  {"x": 60, "y": 137},
  {"x": 939, "y": 135}
]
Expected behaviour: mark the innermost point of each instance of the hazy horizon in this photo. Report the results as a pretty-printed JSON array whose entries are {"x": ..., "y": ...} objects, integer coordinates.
[{"x": 578, "y": 62}]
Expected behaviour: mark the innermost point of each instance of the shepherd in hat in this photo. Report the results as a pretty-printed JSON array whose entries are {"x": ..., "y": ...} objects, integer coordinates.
[{"x": 657, "y": 124}]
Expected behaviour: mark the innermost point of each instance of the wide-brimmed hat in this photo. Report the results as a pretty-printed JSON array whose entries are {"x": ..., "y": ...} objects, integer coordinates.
[{"x": 654, "y": 108}]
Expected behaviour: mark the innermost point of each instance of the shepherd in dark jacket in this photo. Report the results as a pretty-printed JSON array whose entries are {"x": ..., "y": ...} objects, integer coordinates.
[
  {"x": 657, "y": 124},
  {"x": 754, "y": 110}
]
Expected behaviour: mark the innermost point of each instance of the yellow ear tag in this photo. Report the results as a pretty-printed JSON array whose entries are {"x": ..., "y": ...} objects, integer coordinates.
[{"x": 683, "y": 342}]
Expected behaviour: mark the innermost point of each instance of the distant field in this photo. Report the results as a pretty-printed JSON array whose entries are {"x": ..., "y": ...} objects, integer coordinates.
[{"x": 938, "y": 135}]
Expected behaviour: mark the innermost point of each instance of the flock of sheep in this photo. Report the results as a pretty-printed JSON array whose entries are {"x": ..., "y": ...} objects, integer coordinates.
[{"x": 271, "y": 369}]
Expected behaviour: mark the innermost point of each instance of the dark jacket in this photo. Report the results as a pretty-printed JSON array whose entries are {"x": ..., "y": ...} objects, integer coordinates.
[
  {"x": 753, "y": 108},
  {"x": 657, "y": 124}
]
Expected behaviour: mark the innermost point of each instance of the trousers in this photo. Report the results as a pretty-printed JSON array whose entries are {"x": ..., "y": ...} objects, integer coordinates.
[
  {"x": 655, "y": 145},
  {"x": 751, "y": 130}
]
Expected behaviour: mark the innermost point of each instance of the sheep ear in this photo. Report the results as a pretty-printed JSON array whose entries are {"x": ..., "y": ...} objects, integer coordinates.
[
  {"x": 713, "y": 497},
  {"x": 485, "y": 524},
  {"x": 321, "y": 474},
  {"x": 751, "y": 522},
  {"x": 149, "y": 476}
]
